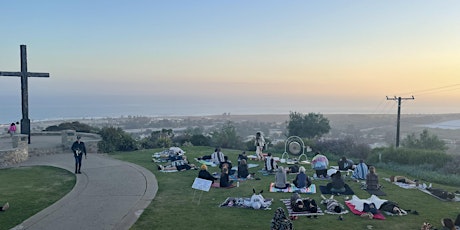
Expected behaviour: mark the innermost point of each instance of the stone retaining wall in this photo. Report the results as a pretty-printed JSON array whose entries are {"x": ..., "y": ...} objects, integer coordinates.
[
  {"x": 15, "y": 150},
  {"x": 18, "y": 152}
]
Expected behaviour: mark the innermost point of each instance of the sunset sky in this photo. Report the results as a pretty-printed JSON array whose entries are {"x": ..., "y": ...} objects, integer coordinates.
[{"x": 327, "y": 56}]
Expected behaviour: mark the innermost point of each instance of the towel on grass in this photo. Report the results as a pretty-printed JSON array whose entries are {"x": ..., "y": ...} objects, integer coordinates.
[
  {"x": 273, "y": 189},
  {"x": 217, "y": 185},
  {"x": 241, "y": 202},
  {"x": 292, "y": 188},
  {"x": 352, "y": 208},
  {"x": 249, "y": 166},
  {"x": 324, "y": 190},
  {"x": 291, "y": 212},
  {"x": 206, "y": 162},
  {"x": 309, "y": 190},
  {"x": 456, "y": 198}
]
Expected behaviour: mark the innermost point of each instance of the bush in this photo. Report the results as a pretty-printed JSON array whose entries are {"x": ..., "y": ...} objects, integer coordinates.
[
  {"x": 200, "y": 140},
  {"x": 77, "y": 126},
  {"x": 115, "y": 139},
  {"x": 405, "y": 156},
  {"x": 343, "y": 147}
]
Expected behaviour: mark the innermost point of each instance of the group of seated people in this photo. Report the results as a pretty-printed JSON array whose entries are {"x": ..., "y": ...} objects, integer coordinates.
[
  {"x": 301, "y": 180},
  {"x": 225, "y": 166}
]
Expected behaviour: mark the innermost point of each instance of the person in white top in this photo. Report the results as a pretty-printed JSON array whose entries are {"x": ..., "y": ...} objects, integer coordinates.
[
  {"x": 217, "y": 157},
  {"x": 259, "y": 143}
]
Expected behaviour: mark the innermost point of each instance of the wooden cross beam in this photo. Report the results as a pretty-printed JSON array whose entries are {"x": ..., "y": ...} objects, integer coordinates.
[{"x": 25, "y": 121}]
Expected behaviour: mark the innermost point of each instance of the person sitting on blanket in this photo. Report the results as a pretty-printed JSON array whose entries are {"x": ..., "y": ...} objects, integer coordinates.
[
  {"x": 345, "y": 164},
  {"x": 229, "y": 165},
  {"x": 242, "y": 156},
  {"x": 217, "y": 156},
  {"x": 332, "y": 205},
  {"x": 441, "y": 193},
  {"x": 243, "y": 171},
  {"x": 403, "y": 179},
  {"x": 338, "y": 184},
  {"x": 224, "y": 178},
  {"x": 447, "y": 224},
  {"x": 301, "y": 179},
  {"x": 361, "y": 171},
  {"x": 204, "y": 174},
  {"x": 320, "y": 163},
  {"x": 270, "y": 163},
  {"x": 281, "y": 181},
  {"x": 372, "y": 180},
  {"x": 179, "y": 165}
]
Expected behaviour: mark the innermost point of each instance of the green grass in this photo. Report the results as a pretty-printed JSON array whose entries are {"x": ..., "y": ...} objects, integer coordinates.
[
  {"x": 30, "y": 190},
  {"x": 173, "y": 206}
]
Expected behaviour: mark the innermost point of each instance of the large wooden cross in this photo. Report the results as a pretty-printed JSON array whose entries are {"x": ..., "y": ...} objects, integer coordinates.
[{"x": 25, "y": 121}]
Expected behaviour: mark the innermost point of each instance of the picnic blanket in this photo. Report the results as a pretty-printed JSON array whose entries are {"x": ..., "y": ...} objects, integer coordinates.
[
  {"x": 456, "y": 198},
  {"x": 335, "y": 213},
  {"x": 352, "y": 208},
  {"x": 217, "y": 185},
  {"x": 291, "y": 212},
  {"x": 292, "y": 188},
  {"x": 241, "y": 202},
  {"x": 249, "y": 166},
  {"x": 324, "y": 190},
  {"x": 206, "y": 162},
  {"x": 402, "y": 185},
  {"x": 347, "y": 172}
]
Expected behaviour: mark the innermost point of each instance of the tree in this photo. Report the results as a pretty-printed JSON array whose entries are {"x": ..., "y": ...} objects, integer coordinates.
[
  {"x": 77, "y": 126},
  {"x": 226, "y": 137},
  {"x": 425, "y": 141},
  {"x": 115, "y": 139},
  {"x": 308, "y": 126}
]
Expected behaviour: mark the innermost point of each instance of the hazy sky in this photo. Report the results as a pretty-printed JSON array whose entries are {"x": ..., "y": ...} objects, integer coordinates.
[{"x": 343, "y": 55}]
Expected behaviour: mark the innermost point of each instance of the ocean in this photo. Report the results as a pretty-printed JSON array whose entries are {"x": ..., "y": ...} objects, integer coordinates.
[{"x": 58, "y": 108}]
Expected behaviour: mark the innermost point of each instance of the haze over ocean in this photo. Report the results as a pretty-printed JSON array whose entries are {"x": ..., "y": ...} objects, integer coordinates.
[{"x": 90, "y": 106}]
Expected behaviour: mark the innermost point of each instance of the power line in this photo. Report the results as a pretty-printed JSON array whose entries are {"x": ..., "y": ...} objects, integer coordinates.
[{"x": 399, "y": 114}]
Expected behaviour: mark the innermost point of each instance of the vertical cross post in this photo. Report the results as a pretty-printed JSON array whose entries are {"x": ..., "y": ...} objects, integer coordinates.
[{"x": 25, "y": 121}]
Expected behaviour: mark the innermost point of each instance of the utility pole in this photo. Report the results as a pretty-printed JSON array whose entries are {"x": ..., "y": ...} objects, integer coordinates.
[{"x": 399, "y": 114}]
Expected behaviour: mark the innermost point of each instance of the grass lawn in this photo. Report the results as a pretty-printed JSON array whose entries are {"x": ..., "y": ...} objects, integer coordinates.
[
  {"x": 173, "y": 206},
  {"x": 30, "y": 190}
]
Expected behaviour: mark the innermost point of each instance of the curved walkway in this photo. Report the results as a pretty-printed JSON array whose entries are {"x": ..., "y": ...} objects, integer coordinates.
[{"x": 109, "y": 194}]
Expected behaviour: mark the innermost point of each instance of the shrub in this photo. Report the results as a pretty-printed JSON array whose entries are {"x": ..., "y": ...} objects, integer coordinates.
[{"x": 406, "y": 156}]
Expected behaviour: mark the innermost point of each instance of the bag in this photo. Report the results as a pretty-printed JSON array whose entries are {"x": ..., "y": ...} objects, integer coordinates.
[{"x": 294, "y": 169}]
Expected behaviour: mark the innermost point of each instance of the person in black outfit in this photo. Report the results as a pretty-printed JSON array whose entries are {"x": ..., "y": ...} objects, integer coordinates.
[
  {"x": 243, "y": 171},
  {"x": 204, "y": 173},
  {"x": 78, "y": 148},
  {"x": 224, "y": 178}
]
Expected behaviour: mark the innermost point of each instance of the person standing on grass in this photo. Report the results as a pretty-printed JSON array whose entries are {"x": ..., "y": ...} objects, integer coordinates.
[
  {"x": 259, "y": 143},
  {"x": 78, "y": 148}
]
